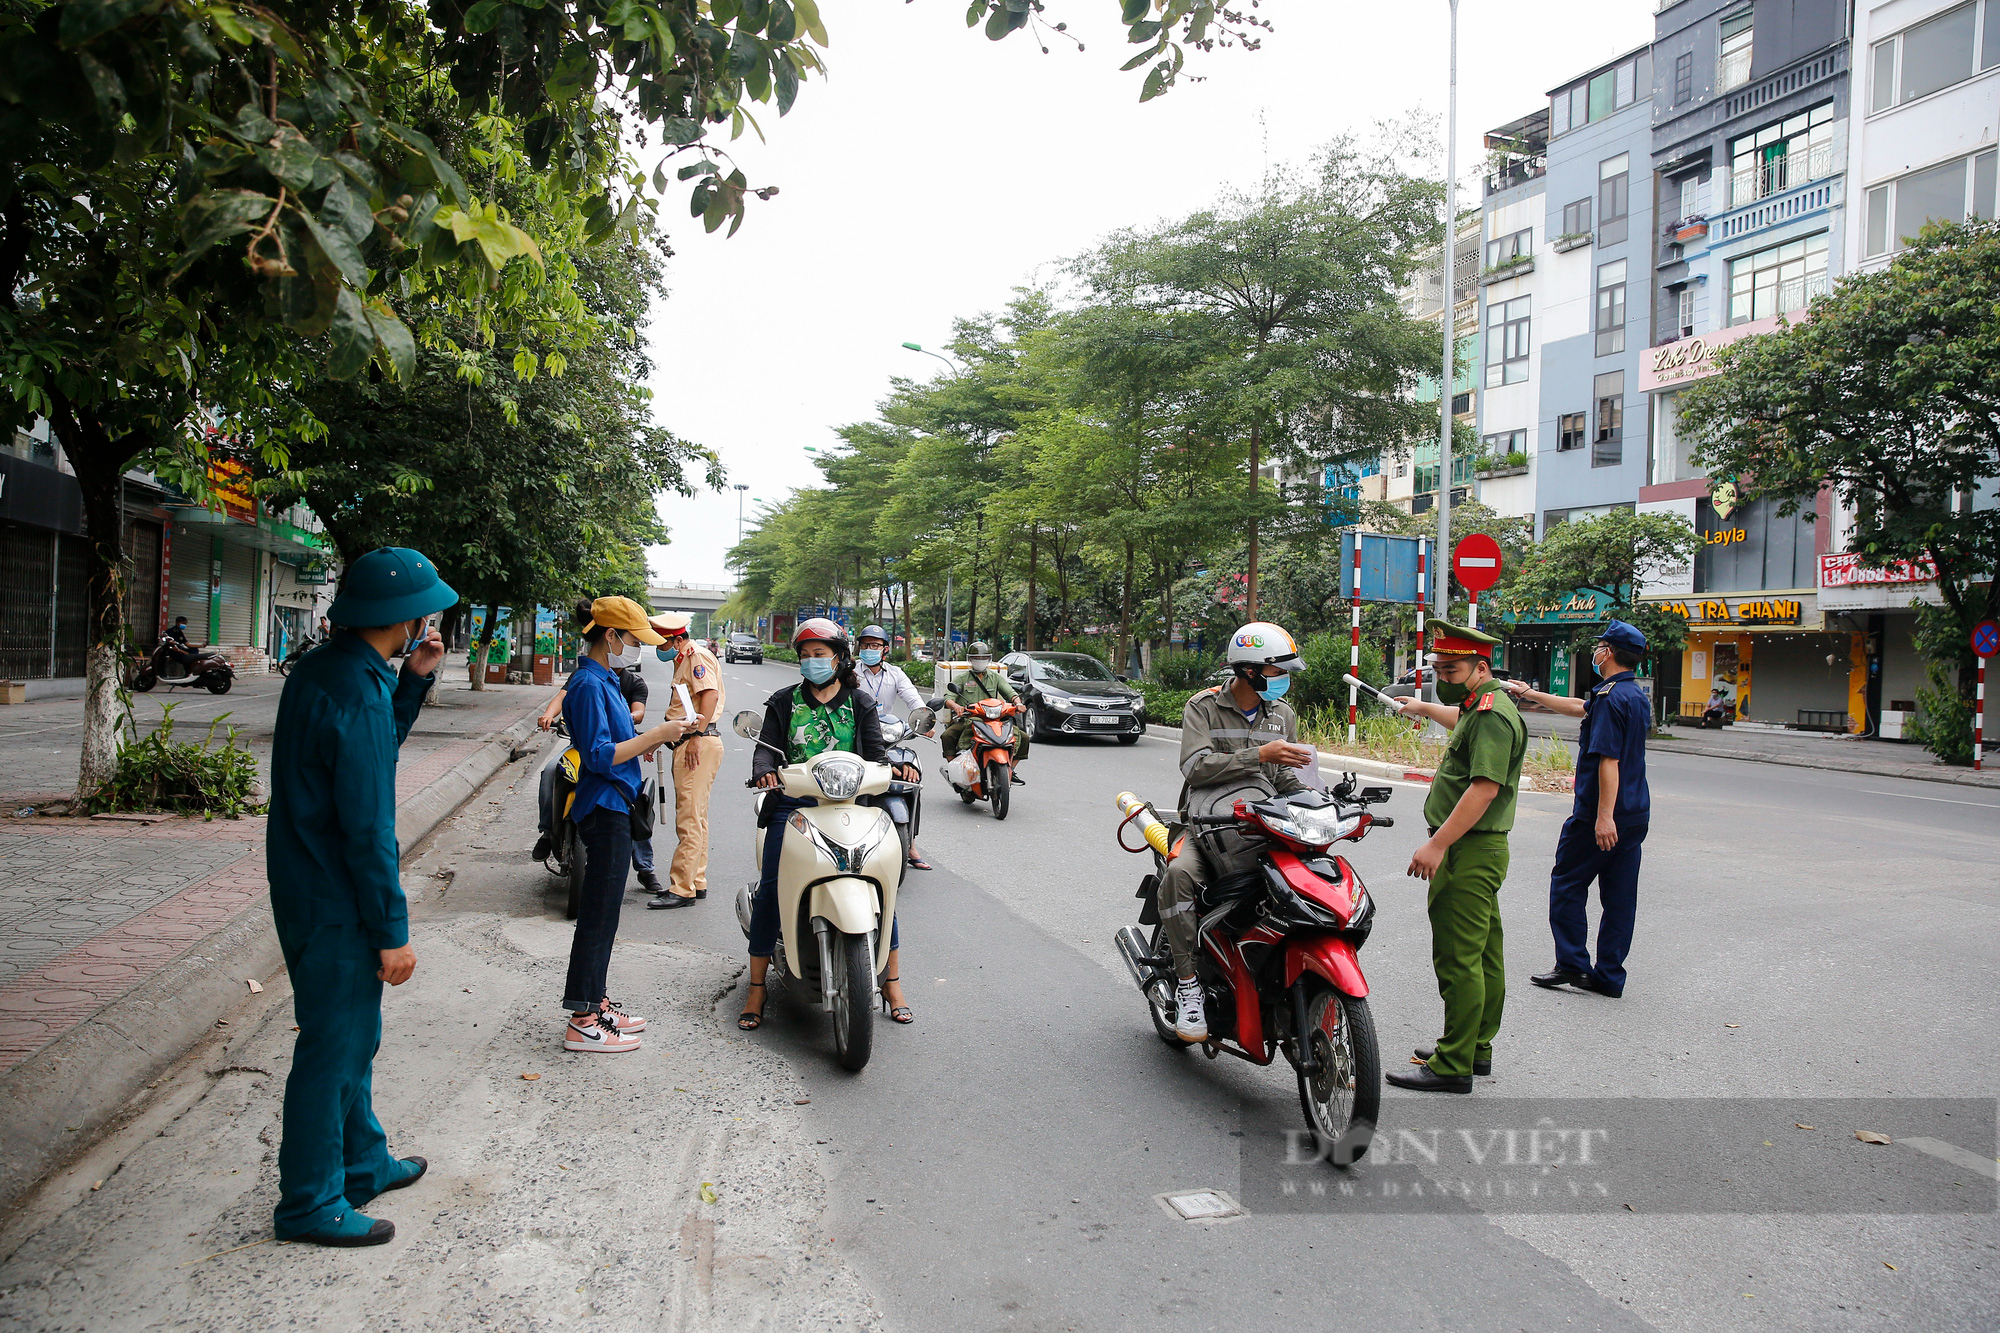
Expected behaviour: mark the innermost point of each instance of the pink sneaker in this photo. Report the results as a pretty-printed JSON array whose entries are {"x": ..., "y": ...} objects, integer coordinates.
[
  {"x": 615, "y": 1011},
  {"x": 597, "y": 1034}
]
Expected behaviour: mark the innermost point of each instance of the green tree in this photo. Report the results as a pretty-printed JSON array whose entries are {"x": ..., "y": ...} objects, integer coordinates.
[
  {"x": 1888, "y": 394},
  {"x": 1614, "y": 554}
]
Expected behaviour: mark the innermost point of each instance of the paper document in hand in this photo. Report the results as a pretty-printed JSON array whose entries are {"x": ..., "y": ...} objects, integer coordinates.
[
  {"x": 1309, "y": 772},
  {"x": 687, "y": 704}
]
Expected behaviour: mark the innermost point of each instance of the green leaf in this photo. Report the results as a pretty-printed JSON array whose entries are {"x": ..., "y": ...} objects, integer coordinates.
[
  {"x": 745, "y": 52},
  {"x": 352, "y": 338},
  {"x": 702, "y": 168},
  {"x": 1003, "y": 21},
  {"x": 1146, "y": 32},
  {"x": 482, "y": 16},
  {"x": 293, "y": 159},
  {"x": 395, "y": 340},
  {"x": 343, "y": 209},
  {"x": 678, "y": 130},
  {"x": 808, "y": 14},
  {"x": 83, "y": 20},
  {"x": 784, "y": 24},
  {"x": 1156, "y": 83},
  {"x": 341, "y": 251},
  {"x": 211, "y": 218},
  {"x": 1138, "y": 9},
  {"x": 975, "y": 12},
  {"x": 788, "y": 85}
]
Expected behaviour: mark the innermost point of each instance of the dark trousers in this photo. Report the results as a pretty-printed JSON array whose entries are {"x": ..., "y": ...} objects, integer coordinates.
[
  {"x": 1579, "y": 860},
  {"x": 607, "y": 860},
  {"x": 333, "y": 1155}
]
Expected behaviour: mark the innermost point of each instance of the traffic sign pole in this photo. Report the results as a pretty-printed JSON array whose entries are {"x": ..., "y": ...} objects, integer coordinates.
[
  {"x": 1985, "y": 643},
  {"x": 1354, "y": 650}
]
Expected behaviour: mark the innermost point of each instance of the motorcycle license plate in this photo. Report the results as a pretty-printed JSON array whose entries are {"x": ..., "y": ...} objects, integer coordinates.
[{"x": 1102, "y": 720}]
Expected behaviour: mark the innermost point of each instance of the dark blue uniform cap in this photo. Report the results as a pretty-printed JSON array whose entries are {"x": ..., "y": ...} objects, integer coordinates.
[
  {"x": 387, "y": 587},
  {"x": 1624, "y": 637}
]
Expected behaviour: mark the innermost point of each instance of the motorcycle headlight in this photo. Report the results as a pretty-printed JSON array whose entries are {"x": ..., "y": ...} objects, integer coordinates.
[
  {"x": 1318, "y": 828},
  {"x": 839, "y": 779}
]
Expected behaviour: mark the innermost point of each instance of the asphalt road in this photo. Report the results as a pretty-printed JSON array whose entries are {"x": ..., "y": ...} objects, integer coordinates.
[{"x": 1803, "y": 937}]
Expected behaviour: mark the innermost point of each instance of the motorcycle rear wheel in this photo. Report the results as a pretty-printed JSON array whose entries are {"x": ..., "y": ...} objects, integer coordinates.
[
  {"x": 1160, "y": 998},
  {"x": 144, "y": 681},
  {"x": 853, "y": 1001},
  {"x": 1342, "y": 1101},
  {"x": 999, "y": 788},
  {"x": 217, "y": 684},
  {"x": 572, "y": 863}
]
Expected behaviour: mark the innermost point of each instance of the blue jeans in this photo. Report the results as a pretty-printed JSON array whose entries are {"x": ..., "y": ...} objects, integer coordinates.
[
  {"x": 333, "y": 1155},
  {"x": 642, "y": 856},
  {"x": 1579, "y": 860},
  {"x": 607, "y": 858},
  {"x": 764, "y": 923}
]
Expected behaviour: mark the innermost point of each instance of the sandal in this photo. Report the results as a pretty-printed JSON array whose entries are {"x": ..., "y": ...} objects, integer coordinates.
[
  {"x": 918, "y": 863},
  {"x": 900, "y": 1013},
  {"x": 750, "y": 1020}
]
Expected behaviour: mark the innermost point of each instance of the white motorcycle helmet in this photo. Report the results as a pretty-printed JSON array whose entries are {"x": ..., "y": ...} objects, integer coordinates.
[{"x": 1260, "y": 644}]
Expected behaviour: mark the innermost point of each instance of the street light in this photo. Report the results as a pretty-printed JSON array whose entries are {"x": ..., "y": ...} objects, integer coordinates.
[
  {"x": 1441, "y": 582},
  {"x": 949, "y": 364},
  {"x": 742, "y": 489}
]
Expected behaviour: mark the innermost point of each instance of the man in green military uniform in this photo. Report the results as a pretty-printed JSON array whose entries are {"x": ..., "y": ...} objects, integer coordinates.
[
  {"x": 336, "y": 887},
  {"x": 1470, "y": 812},
  {"x": 982, "y": 682}
]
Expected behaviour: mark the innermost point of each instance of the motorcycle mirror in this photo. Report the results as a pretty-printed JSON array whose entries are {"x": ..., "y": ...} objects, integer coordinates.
[
  {"x": 922, "y": 720},
  {"x": 747, "y": 724}
]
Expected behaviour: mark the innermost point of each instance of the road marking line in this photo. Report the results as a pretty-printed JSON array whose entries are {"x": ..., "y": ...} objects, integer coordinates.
[
  {"x": 1957, "y": 1156},
  {"x": 1909, "y": 796}
]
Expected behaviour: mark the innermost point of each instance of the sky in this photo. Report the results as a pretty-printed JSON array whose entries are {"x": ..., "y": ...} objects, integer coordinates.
[{"x": 932, "y": 171}]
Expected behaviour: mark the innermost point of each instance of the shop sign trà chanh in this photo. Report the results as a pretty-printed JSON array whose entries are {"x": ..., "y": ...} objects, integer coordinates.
[{"x": 1711, "y": 612}]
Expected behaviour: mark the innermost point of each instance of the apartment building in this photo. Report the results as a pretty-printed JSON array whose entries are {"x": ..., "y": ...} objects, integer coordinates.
[
  {"x": 1515, "y": 261},
  {"x": 1749, "y": 157}
]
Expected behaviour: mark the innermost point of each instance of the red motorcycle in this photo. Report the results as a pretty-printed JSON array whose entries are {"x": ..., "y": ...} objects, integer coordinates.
[
  {"x": 984, "y": 769},
  {"x": 1278, "y": 946}
]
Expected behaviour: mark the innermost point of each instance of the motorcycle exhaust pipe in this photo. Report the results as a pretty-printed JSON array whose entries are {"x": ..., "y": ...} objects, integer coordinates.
[{"x": 1132, "y": 948}]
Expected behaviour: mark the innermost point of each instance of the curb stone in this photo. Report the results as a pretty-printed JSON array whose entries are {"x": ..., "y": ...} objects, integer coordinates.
[{"x": 60, "y": 1100}]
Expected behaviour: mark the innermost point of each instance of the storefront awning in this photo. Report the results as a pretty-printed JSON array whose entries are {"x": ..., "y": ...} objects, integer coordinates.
[{"x": 290, "y": 544}]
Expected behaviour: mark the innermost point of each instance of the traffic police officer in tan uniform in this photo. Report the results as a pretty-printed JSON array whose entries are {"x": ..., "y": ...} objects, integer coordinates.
[
  {"x": 696, "y": 759},
  {"x": 1470, "y": 811}
]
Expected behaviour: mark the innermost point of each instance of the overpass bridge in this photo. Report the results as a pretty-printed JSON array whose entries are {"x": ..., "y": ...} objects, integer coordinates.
[{"x": 701, "y": 600}]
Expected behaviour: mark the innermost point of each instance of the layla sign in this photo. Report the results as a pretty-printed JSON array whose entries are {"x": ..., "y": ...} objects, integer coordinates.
[
  {"x": 1689, "y": 359},
  {"x": 1779, "y": 612},
  {"x": 1847, "y": 571}
]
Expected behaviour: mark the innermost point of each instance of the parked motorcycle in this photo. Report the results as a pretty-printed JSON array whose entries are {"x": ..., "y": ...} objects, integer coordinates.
[
  {"x": 1277, "y": 958},
  {"x": 292, "y": 659},
  {"x": 984, "y": 769},
  {"x": 905, "y": 800},
  {"x": 205, "y": 667},
  {"x": 560, "y": 846},
  {"x": 837, "y": 881}
]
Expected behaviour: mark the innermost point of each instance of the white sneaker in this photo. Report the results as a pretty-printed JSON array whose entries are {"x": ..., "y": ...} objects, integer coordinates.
[
  {"x": 598, "y": 1034},
  {"x": 1191, "y": 1020},
  {"x": 625, "y": 1022}
]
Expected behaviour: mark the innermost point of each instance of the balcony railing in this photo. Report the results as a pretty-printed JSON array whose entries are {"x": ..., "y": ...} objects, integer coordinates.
[
  {"x": 1519, "y": 171},
  {"x": 1778, "y": 174}
]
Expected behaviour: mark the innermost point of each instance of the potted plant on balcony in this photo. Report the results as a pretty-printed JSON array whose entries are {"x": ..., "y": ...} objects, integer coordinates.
[
  {"x": 1570, "y": 240},
  {"x": 1690, "y": 229}
]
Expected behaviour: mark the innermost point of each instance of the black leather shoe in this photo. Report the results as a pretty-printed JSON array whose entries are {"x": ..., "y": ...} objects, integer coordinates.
[
  {"x": 1560, "y": 976},
  {"x": 1594, "y": 984},
  {"x": 650, "y": 882},
  {"x": 699, "y": 894},
  {"x": 1480, "y": 1067},
  {"x": 1421, "y": 1079},
  {"x": 667, "y": 900}
]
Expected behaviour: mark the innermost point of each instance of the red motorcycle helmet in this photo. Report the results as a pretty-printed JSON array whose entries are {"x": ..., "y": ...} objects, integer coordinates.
[{"x": 825, "y": 631}]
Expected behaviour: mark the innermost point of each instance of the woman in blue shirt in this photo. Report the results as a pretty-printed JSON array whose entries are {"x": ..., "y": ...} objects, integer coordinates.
[{"x": 608, "y": 783}]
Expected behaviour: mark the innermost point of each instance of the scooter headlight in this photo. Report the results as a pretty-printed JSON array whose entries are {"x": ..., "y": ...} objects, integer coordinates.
[
  {"x": 1318, "y": 828},
  {"x": 839, "y": 779}
]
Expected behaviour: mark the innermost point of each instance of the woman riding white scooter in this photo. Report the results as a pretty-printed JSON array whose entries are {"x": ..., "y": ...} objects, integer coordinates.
[{"x": 824, "y": 711}]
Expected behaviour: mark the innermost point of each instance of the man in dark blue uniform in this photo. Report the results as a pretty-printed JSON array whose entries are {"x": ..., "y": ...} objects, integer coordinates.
[
  {"x": 1602, "y": 838},
  {"x": 336, "y": 891}
]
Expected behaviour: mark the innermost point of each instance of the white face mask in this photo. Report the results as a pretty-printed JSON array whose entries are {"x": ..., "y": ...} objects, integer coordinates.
[{"x": 627, "y": 657}]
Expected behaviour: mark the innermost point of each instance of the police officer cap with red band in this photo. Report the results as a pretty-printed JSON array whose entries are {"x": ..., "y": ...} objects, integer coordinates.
[{"x": 1449, "y": 640}]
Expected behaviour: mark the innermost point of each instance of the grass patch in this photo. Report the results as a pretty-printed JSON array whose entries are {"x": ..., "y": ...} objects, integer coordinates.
[{"x": 157, "y": 772}]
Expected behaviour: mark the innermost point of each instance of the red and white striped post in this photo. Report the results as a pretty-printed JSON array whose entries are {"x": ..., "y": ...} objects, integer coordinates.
[
  {"x": 1354, "y": 646},
  {"x": 1423, "y": 603},
  {"x": 1979, "y": 718}
]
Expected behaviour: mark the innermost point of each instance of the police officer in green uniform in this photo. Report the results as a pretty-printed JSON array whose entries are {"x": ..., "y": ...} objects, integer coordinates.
[
  {"x": 336, "y": 893},
  {"x": 982, "y": 682},
  {"x": 1470, "y": 812}
]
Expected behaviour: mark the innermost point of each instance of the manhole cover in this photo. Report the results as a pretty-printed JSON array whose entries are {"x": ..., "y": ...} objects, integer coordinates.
[{"x": 1199, "y": 1205}]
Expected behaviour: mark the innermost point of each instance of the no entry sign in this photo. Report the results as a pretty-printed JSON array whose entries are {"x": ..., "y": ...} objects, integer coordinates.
[
  {"x": 1475, "y": 562},
  {"x": 1986, "y": 638}
]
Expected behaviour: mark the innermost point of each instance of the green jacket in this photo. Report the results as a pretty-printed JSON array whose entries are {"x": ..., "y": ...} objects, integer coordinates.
[
  {"x": 1490, "y": 741},
  {"x": 330, "y": 847},
  {"x": 1218, "y": 743},
  {"x": 969, "y": 688}
]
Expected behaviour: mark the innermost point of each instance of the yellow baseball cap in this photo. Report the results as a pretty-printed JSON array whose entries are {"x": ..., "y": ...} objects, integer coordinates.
[{"x": 624, "y": 614}]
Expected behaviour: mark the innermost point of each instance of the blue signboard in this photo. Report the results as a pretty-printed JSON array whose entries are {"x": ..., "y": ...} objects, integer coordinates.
[{"x": 1388, "y": 567}]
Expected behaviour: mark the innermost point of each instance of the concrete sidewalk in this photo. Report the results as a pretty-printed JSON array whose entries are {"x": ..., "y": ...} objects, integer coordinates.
[{"x": 122, "y": 942}]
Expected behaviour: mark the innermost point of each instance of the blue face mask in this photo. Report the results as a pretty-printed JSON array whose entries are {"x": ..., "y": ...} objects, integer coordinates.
[
  {"x": 415, "y": 641},
  {"x": 817, "y": 670},
  {"x": 668, "y": 654},
  {"x": 871, "y": 656},
  {"x": 1275, "y": 687}
]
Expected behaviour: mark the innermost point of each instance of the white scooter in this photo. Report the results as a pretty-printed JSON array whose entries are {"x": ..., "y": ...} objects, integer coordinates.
[{"x": 837, "y": 880}]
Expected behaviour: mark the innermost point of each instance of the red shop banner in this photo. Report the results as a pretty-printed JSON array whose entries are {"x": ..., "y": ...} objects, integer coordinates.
[{"x": 1847, "y": 571}]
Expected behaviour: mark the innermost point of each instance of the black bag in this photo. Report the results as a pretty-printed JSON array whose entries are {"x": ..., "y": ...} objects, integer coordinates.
[{"x": 641, "y": 813}]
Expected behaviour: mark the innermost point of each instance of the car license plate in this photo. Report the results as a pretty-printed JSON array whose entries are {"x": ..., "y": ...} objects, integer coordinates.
[{"x": 1104, "y": 720}]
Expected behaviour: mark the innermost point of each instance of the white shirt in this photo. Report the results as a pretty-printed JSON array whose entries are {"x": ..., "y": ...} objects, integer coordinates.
[{"x": 886, "y": 683}]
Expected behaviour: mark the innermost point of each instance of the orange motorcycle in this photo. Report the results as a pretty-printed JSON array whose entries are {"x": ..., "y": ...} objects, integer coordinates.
[{"x": 984, "y": 769}]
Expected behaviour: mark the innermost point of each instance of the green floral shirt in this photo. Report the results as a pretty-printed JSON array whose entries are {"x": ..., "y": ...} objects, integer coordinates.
[{"x": 817, "y": 728}]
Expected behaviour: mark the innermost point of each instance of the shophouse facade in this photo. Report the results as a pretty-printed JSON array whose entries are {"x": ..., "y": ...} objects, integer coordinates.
[{"x": 1749, "y": 155}]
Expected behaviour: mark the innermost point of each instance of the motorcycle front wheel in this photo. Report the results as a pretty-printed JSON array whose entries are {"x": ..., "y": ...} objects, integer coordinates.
[
  {"x": 1343, "y": 1099},
  {"x": 853, "y": 1001},
  {"x": 572, "y": 864},
  {"x": 144, "y": 681},
  {"x": 999, "y": 788}
]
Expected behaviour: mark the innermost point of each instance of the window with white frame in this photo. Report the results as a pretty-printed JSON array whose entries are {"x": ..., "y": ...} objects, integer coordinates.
[
  {"x": 1499, "y": 444},
  {"x": 1503, "y": 250},
  {"x": 1684, "y": 311},
  {"x": 1777, "y": 157},
  {"x": 1507, "y": 342},
  {"x": 1611, "y": 308},
  {"x": 1732, "y": 70},
  {"x": 1614, "y": 198},
  {"x": 1777, "y": 280},
  {"x": 1944, "y": 49},
  {"x": 1950, "y": 192},
  {"x": 1688, "y": 190}
]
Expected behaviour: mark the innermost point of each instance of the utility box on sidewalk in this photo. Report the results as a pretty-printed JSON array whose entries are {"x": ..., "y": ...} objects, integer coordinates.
[{"x": 545, "y": 669}]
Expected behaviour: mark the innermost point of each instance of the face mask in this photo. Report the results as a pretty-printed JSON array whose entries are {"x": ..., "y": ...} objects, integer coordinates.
[
  {"x": 414, "y": 641},
  {"x": 979, "y": 664},
  {"x": 817, "y": 670},
  {"x": 871, "y": 656},
  {"x": 1452, "y": 693},
  {"x": 668, "y": 654},
  {"x": 1275, "y": 687}
]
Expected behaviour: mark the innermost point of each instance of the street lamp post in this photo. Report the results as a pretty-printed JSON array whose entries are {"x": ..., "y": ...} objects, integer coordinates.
[
  {"x": 741, "y": 490},
  {"x": 948, "y": 363},
  {"x": 1441, "y": 585}
]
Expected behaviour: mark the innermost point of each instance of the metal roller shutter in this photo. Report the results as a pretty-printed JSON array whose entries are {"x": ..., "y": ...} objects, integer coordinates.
[
  {"x": 188, "y": 590},
  {"x": 239, "y": 571}
]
